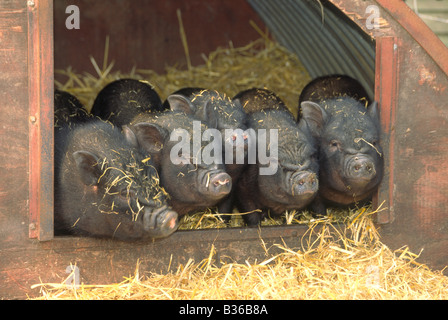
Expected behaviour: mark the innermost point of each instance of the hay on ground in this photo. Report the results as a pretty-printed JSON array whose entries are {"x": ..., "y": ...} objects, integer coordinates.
[{"x": 349, "y": 264}]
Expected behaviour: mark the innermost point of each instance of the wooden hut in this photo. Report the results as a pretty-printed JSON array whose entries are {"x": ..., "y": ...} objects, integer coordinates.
[{"x": 381, "y": 42}]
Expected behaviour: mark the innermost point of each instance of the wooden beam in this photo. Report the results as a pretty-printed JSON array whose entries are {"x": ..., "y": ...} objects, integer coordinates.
[{"x": 41, "y": 97}]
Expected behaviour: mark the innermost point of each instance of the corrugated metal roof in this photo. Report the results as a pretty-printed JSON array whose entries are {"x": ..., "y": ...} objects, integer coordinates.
[{"x": 326, "y": 44}]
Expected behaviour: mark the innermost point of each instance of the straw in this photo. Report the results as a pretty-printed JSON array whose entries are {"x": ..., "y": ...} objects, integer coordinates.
[
  {"x": 261, "y": 63},
  {"x": 345, "y": 264}
]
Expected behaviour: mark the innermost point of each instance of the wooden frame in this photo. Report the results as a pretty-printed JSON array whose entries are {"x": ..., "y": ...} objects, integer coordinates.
[
  {"x": 386, "y": 83},
  {"x": 41, "y": 99}
]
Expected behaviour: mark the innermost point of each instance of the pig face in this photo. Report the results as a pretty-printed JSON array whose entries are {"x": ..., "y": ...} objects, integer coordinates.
[
  {"x": 200, "y": 184},
  {"x": 219, "y": 112},
  {"x": 190, "y": 184},
  {"x": 293, "y": 186},
  {"x": 106, "y": 188},
  {"x": 284, "y": 176},
  {"x": 127, "y": 192},
  {"x": 295, "y": 183},
  {"x": 351, "y": 159}
]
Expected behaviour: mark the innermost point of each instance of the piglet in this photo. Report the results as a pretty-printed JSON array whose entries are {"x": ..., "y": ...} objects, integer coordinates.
[{"x": 104, "y": 187}]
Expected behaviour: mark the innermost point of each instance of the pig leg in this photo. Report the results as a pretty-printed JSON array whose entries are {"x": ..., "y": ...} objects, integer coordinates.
[
  {"x": 318, "y": 206},
  {"x": 252, "y": 219},
  {"x": 247, "y": 196},
  {"x": 226, "y": 206},
  {"x": 250, "y": 212}
]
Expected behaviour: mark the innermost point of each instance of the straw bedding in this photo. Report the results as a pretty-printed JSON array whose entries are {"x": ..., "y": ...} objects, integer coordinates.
[
  {"x": 331, "y": 264},
  {"x": 262, "y": 63}
]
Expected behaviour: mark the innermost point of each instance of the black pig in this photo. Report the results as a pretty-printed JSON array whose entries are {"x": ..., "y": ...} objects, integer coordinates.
[
  {"x": 120, "y": 101},
  {"x": 211, "y": 106},
  {"x": 214, "y": 108},
  {"x": 257, "y": 99},
  {"x": 350, "y": 157},
  {"x": 220, "y": 112},
  {"x": 187, "y": 92},
  {"x": 68, "y": 110},
  {"x": 294, "y": 183},
  {"x": 191, "y": 183},
  {"x": 334, "y": 86},
  {"x": 106, "y": 188}
]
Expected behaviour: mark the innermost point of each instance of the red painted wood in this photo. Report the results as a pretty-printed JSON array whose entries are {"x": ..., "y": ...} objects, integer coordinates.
[
  {"x": 14, "y": 141},
  {"x": 41, "y": 97},
  {"x": 386, "y": 90}
]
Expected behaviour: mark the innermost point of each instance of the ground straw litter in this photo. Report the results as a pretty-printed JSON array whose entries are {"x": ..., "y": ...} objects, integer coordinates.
[{"x": 332, "y": 263}]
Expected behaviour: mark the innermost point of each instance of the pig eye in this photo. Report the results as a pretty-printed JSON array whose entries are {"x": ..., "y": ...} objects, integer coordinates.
[
  {"x": 128, "y": 194},
  {"x": 335, "y": 144}
]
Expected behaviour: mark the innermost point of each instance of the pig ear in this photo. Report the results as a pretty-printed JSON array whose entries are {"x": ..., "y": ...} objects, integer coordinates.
[
  {"x": 372, "y": 111},
  {"x": 87, "y": 164},
  {"x": 130, "y": 136},
  {"x": 210, "y": 115},
  {"x": 237, "y": 103},
  {"x": 149, "y": 136},
  {"x": 304, "y": 127},
  {"x": 314, "y": 115},
  {"x": 178, "y": 102}
]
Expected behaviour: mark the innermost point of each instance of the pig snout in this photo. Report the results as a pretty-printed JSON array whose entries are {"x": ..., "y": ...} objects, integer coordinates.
[
  {"x": 304, "y": 183},
  {"x": 159, "y": 222},
  {"x": 361, "y": 169},
  {"x": 218, "y": 184}
]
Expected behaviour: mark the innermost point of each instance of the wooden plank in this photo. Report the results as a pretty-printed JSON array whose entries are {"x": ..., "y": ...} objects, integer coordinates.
[
  {"x": 12, "y": 6},
  {"x": 421, "y": 127},
  {"x": 13, "y": 123},
  {"x": 41, "y": 97},
  {"x": 386, "y": 83}
]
